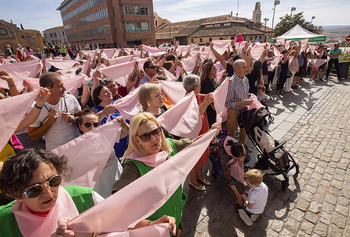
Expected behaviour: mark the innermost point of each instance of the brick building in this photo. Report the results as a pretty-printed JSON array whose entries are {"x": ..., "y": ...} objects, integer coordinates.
[
  {"x": 108, "y": 23},
  {"x": 55, "y": 35}
]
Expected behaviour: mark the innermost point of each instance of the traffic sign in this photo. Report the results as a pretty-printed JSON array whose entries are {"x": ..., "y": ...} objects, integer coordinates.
[{"x": 347, "y": 38}]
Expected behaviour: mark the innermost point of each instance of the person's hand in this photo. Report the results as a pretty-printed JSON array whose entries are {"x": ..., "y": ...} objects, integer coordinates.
[
  {"x": 247, "y": 102},
  {"x": 62, "y": 230},
  {"x": 244, "y": 196},
  {"x": 52, "y": 116},
  {"x": 167, "y": 219},
  {"x": 239, "y": 199},
  {"x": 246, "y": 193},
  {"x": 217, "y": 126},
  {"x": 67, "y": 117},
  {"x": 178, "y": 63},
  {"x": 211, "y": 46},
  {"x": 124, "y": 125},
  {"x": 42, "y": 96},
  {"x": 208, "y": 99},
  {"x": 154, "y": 79},
  {"x": 96, "y": 74},
  {"x": 109, "y": 109},
  {"x": 4, "y": 75}
]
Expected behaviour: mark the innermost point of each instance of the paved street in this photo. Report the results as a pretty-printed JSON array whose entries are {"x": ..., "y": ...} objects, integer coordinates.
[{"x": 315, "y": 121}]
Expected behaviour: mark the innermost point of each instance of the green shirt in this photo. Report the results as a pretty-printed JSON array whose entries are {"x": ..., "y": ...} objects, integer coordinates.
[{"x": 334, "y": 52}]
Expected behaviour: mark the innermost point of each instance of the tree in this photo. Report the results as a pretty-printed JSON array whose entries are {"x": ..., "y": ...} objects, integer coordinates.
[{"x": 289, "y": 21}]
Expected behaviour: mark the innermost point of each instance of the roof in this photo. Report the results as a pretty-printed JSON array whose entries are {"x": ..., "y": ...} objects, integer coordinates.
[
  {"x": 298, "y": 32},
  {"x": 57, "y": 27},
  {"x": 225, "y": 31}
]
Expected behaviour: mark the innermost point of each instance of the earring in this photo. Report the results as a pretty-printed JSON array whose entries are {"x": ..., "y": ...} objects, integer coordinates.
[{"x": 148, "y": 104}]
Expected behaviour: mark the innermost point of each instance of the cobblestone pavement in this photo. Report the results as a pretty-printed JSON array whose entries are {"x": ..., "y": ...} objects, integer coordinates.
[{"x": 315, "y": 120}]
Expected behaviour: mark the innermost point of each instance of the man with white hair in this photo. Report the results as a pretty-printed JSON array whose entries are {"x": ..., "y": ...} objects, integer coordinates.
[{"x": 237, "y": 98}]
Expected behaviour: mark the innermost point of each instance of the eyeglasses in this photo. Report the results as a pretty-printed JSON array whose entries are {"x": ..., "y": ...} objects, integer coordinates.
[
  {"x": 147, "y": 136},
  {"x": 35, "y": 190},
  {"x": 87, "y": 124},
  {"x": 152, "y": 67}
]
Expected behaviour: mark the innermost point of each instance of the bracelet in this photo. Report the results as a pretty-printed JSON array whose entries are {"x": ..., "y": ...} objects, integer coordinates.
[
  {"x": 212, "y": 49},
  {"x": 12, "y": 85},
  {"x": 148, "y": 223},
  {"x": 38, "y": 107}
]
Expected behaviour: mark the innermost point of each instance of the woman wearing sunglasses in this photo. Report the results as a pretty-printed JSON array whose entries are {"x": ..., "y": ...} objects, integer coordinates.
[
  {"x": 33, "y": 178},
  {"x": 146, "y": 141}
]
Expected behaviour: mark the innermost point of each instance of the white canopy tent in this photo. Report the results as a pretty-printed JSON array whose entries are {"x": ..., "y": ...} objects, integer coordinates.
[{"x": 298, "y": 33}]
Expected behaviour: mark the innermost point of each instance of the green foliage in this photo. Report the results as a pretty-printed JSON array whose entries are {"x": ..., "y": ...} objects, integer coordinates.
[
  {"x": 345, "y": 57},
  {"x": 289, "y": 21}
]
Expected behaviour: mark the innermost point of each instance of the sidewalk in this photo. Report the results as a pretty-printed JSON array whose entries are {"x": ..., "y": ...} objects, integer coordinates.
[{"x": 315, "y": 120}]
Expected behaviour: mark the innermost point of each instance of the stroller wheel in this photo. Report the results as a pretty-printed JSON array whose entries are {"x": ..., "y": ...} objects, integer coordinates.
[{"x": 271, "y": 118}]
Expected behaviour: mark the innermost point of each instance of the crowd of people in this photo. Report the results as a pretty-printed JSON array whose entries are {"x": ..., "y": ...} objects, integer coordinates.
[{"x": 136, "y": 87}]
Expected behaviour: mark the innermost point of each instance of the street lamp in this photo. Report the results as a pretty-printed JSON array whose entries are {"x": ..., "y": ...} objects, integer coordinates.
[
  {"x": 313, "y": 17},
  {"x": 266, "y": 20},
  {"x": 277, "y": 2},
  {"x": 292, "y": 10}
]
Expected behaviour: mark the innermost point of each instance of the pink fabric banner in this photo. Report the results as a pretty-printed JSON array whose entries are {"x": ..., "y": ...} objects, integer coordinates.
[
  {"x": 183, "y": 49},
  {"x": 204, "y": 55},
  {"x": 304, "y": 44},
  {"x": 119, "y": 73},
  {"x": 293, "y": 64},
  {"x": 109, "y": 52},
  {"x": 256, "y": 53},
  {"x": 141, "y": 62},
  {"x": 174, "y": 90},
  {"x": 274, "y": 63},
  {"x": 160, "y": 230},
  {"x": 218, "y": 77},
  {"x": 91, "y": 52},
  {"x": 144, "y": 196},
  {"x": 317, "y": 62},
  {"x": 60, "y": 64},
  {"x": 183, "y": 119},
  {"x": 219, "y": 96},
  {"x": 178, "y": 71},
  {"x": 120, "y": 60},
  {"x": 88, "y": 154},
  {"x": 151, "y": 49},
  {"x": 87, "y": 65},
  {"x": 20, "y": 71},
  {"x": 13, "y": 110},
  {"x": 281, "y": 41},
  {"x": 190, "y": 63},
  {"x": 312, "y": 49},
  {"x": 240, "y": 46},
  {"x": 221, "y": 45},
  {"x": 169, "y": 76},
  {"x": 129, "y": 105},
  {"x": 32, "y": 225},
  {"x": 288, "y": 44}
]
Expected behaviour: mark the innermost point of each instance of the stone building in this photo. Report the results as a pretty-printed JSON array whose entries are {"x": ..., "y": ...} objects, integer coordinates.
[
  {"x": 55, "y": 35},
  {"x": 12, "y": 35},
  {"x": 205, "y": 30},
  {"x": 108, "y": 23}
]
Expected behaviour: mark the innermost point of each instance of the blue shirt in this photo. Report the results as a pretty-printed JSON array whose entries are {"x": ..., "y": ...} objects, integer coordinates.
[
  {"x": 145, "y": 79},
  {"x": 334, "y": 52}
]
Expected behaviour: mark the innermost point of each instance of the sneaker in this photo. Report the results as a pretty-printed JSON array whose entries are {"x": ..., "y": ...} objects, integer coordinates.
[
  {"x": 244, "y": 216},
  {"x": 254, "y": 217}
]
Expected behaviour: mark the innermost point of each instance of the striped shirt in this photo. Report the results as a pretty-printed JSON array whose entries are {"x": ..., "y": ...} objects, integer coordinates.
[{"x": 238, "y": 90}]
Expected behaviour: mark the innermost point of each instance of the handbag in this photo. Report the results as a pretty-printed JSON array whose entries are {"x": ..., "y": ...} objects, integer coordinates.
[
  {"x": 265, "y": 141},
  {"x": 289, "y": 74}
]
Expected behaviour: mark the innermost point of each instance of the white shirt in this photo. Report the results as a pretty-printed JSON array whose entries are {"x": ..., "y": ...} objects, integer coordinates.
[
  {"x": 60, "y": 132},
  {"x": 258, "y": 196}
]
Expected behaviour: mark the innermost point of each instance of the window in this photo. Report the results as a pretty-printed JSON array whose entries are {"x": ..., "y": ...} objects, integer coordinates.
[
  {"x": 96, "y": 16},
  {"x": 217, "y": 25},
  {"x": 55, "y": 34},
  {"x": 135, "y": 10},
  {"x": 192, "y": 41},
  {"x": 59, "y": 35},
  {"x": 52, "y": 41},
  {"x": 137, "y": 26},
  {"x": 210, "y": 39},
  {"x": 82, "y": 8},
  {"x": 208, "y": 26},
  {"x": 156, "y": 23},
  {"x": 51, "y": 36},
  {"x": 221, "y": 38},
  {"x": 62, "y": 33},
  {"x": 233, "y": 38},
  {"x": 227, "y": 24},
  {"x": 44, "y": 35},
  {"x": 200, "y": 40}
]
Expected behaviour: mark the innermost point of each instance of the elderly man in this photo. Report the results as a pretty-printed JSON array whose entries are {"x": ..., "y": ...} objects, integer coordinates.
[
  {"x": 150, "y": 69},
  {"x": 334, "y": 55},
  {"x": 237, "y": 98},
  {"x": 57, "y": 117}
]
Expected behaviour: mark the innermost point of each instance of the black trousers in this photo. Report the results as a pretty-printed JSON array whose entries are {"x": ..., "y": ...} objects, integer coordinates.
[{"x": 330, "y": 64}]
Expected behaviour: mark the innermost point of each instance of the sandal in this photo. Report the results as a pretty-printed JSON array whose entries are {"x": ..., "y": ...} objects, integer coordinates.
[
  {"x": 199, "y": 188},
  {"x": 204, "y": 181}
]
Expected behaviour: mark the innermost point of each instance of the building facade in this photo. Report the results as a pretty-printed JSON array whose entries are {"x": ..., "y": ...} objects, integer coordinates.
[
  {"x": 12, "y": 35},
  {"x": 55, "y": 35},
  {"x": 108, "y": 23}
]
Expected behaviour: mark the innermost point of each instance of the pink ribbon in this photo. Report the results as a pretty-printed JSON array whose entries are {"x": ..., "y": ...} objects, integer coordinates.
[
  {"x": 87, "y": 154},
  {"x": 183, "y": 119}
]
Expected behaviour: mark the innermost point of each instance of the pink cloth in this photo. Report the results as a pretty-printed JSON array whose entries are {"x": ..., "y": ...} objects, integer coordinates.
[
  {"x": 144, "y": 196},
  {"x": 20, "y": 71},
  {"x": 312, "y": 48},
  {"x": 183, "y": 49},
  {"x": 151, "y": 160},
  {"x": 178, "y": 71},
  {"x": 281, "y": 41},
  {"x": 239, "y": 38},
  {"x": 160, "y": 230},
  {"x": 87, "y": 65},
  {"x": 317, "y": 62},
  {"x": 69, "y": 72},
  {"x": 109, "y": 52},
  {"x": 60, "y": 64},
  {"x": 119, "y": 73},
  {"x": 218, "y": 77},
  {"x": 221, "y": 45},
  {"x": 32, "y": 225},
  {"x": 190, "y": 63},
  {"x": 236, "y": 168},
  {"x": 119, "y": 60},
  {"x": 304, "y": 44},
  {"x": 169, "y": 76},
  {"x": 174, "y": 90},
  {"x": 219, "y": 96},
  {"x": 129, "y": 105},
  {"x": 13, "y": 110},
  {"x": 256, "y": 53},
  {"x": 151, "y": 49},
  {"x": 256, "y": 103},
  {"x": 293, "y": 64},
  {"x": 183, "y": 119},
  {"x": 88, "y": 154},
  {"x": 141, "y": 62},
  {"x": 240, "y": 46}
]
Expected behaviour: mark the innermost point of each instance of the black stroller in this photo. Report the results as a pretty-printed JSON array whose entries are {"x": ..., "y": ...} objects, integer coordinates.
[{"x": 276, "y": 160}]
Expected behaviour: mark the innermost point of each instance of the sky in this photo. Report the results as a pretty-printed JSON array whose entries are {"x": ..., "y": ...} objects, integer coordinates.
[{"x": 42, "y": 14}]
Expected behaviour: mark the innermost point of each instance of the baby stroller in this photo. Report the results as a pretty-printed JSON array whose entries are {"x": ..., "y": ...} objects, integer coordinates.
[{"x": 273, "y": 158}]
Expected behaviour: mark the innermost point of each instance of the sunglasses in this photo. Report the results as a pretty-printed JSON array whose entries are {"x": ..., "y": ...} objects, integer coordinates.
[
  {"x": 152, "y": 67},
  {"x": 147, "y": 136},
  {"x": 87, "y": 124},
  {"x": 35, "y": 190}
]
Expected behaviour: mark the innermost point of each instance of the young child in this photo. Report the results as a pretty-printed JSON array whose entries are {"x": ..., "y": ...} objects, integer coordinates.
[
  {"x": 314, "y": 71},
  {"x": 254, "y": 200},
  {"x": 262, "y": 97}
]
